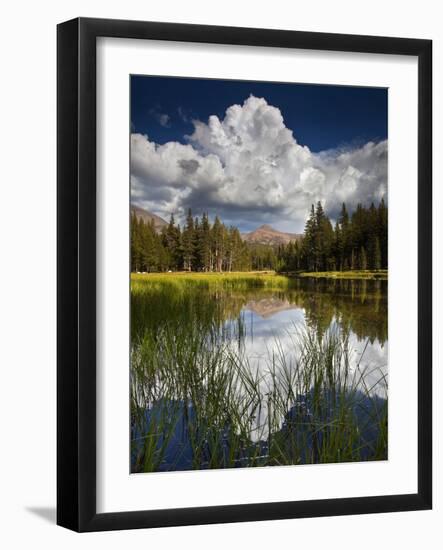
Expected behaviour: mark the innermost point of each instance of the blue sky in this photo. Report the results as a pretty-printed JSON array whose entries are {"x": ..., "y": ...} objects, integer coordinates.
[{"x": 197, "y": 142}]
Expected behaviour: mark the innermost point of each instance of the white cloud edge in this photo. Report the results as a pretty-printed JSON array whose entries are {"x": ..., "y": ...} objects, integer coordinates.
[{"x": 249, "y": 169}]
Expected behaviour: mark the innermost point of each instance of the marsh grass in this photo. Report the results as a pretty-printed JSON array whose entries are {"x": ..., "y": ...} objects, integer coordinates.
[
  {"x": 238, "y": 280},
  {"x": 204, "y": 297},
  {"x": 197, "y": 402}
]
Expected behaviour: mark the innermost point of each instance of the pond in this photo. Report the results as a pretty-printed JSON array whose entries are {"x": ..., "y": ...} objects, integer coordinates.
[{"x": 237, "y": 374}]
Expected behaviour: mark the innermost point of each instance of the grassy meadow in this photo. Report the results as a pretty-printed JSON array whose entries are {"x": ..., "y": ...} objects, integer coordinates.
[{"x": 268, "y": 279}]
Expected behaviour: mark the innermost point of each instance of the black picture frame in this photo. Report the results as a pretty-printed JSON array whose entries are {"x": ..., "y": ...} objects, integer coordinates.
[{"x": 76, "y": 279}]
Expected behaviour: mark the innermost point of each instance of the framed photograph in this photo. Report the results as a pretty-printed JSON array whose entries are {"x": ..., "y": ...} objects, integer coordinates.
[{"x": 244, "y": 274}]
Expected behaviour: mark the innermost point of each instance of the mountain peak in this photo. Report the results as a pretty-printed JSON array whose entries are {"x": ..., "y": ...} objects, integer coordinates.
[
  {"x": 265, "y": 227},
  {"x": 266, "y": 234},
  {"x": 148, "y": 217}
]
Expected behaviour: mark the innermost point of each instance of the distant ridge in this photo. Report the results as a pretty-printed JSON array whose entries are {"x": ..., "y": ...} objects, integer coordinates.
[
  {"x": 148, "y": 217},
  {"x": 265, "y": 234}
]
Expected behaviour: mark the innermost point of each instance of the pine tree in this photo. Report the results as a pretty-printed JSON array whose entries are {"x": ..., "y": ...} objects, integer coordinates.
[
  {"x": 344, "y": 238},
  {"x": 383, "y": 233},
  {"x": 217, "y": 239},
  {"x": 319, "y": 244},
  {"x": 172, "y": 241},
  {"x": 325, "y": 240},
  {"x": 352, "y": 262},
  {"x": 136, "y": 244},
  {"x": 197, "y": 263},
  {"x": 204, "y": 244},
  {"x": 148, "y": 255},
  {"x": 187, "y": 242},
  {"x": 363, "y": 259},
  {"x": 377, "y": 254},
  {"x": 309, "y": 252}
]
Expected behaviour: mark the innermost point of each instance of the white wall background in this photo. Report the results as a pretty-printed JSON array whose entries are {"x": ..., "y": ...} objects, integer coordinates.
[{"x": 27, "y": 273}]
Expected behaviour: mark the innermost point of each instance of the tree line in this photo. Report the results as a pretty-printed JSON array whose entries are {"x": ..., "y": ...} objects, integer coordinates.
[
  {"x": 199, "y": 246},
  {"x": 359, "y": 241},
  {"x": 356, "y": 241}
]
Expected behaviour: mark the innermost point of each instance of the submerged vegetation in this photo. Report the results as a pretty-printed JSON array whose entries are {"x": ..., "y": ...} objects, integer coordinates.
[{"x": 199, "y": 400}]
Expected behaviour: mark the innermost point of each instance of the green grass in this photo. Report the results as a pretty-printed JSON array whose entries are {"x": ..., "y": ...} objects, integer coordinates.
[
  {"x": 238, "y": 279},
  {"x": 205, "y": 298},
  {"x": 355, "y": 274},
  {"x": 250, "y": 279}
]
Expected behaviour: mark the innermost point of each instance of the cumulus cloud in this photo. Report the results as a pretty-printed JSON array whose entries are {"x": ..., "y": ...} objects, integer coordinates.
[{"x": 248, "y": 168}]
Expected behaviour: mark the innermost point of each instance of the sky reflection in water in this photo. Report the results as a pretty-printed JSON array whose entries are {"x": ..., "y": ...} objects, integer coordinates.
[
  {"x": 264, "y": 328},
  {"x": 270, "y": 324}
]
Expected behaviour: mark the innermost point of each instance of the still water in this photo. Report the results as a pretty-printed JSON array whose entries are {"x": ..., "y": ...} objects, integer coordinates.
[
  {"x": 269, "y": 321},
  {"x": 262, "y": 331}
]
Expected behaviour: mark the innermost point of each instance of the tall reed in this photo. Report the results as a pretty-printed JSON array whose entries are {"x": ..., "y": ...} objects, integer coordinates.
[{"x": 196, "y": 402}]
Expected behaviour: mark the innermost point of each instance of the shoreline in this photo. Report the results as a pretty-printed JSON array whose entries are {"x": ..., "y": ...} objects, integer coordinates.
[
  {"x": 380, "y": 275},
  {"x": 375, "y": 275}
]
